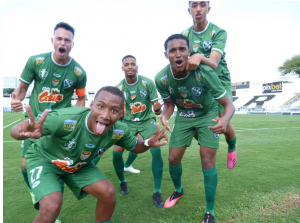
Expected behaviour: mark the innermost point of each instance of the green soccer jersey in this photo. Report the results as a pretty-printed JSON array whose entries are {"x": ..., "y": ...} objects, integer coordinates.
[
  {"x": 54, "y": 84},
  {"x": 193, "y": 95},
  {"x": 138, "y": 98},
  {"x": 69, "y": 144},
  {"x": 212, "y": 38}
]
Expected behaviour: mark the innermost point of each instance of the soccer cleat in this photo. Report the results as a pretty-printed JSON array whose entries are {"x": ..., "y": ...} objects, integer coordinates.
[
  {"x": 131, "y": 169},
  {"x": 57, "y": 221},
  {"x": 124, "y": 188},
  {"x": 231, "y": 159},
  {"x": 158, "y": 201},
  {"x": 171, "y": 201},
  {"x": 208, "y": 218}
]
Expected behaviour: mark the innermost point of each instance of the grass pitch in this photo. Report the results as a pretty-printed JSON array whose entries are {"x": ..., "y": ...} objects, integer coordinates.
[{"x": 263, "y": 187}]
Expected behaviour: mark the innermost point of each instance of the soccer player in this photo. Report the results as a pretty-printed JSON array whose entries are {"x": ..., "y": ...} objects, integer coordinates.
[
  {"x": 67, "y": 141},
  {"x": 140, "y": 96},
  {"x": 196, "y": 95},
  {"x": 207, "y": 44}
]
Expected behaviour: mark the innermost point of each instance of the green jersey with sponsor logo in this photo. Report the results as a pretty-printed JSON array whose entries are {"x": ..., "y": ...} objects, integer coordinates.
[
  {"x": 69, "y": 144},
  {"x": 54, "y": 84},
  {"x": 193, "y": 95},
  {"x": 138, "y": 98},
  {"x": 212, "y": 38}
]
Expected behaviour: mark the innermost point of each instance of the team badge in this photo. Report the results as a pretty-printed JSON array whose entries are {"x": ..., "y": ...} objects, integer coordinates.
[
  {"x": 77, "y": 71},
  {"x": 89, "y": 145},
  {"x": 125, "y": 95},
  {"x": 154, "y": 124},
  {"x": 55, "y": 82},
  {"x": 57, "y": 75},
  {"x": 198, "y": 76},
  {"x": 71, "y": 144},
  {"x": 217, "y": 135},
  {"x": 100, "y": 151},
  {"x": 207, "y": 45},
  {"x": 43, "y": 74},
  {"x": 195, "y": 47},
  {"x": 84, "y": 155},
  {"x": 117, "y": 134},
  {"x": 39, "y": 60},
  {"x": 143, "y": 93},
  {"x": 68, "y": 83},
  {"x": 69, "y": 125},
  {"x": 144, "y": 83},
  {"x": 133, "y": 97},
  {"x": 212, "y": 33},
  {"x": 185, "y": 33},
  {"x": 196, "y": 91},
  {"x": 183, "y": 94},
  {"x": 164, "y": 80},
  {"x": 137, "y": 107},
  {"x": 121, "y": 87}
]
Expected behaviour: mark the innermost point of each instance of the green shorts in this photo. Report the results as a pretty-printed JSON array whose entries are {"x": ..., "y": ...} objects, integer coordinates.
[
  {"x": 43, "y": 177},
  {"x": 184, "y": 130},
  {"x": 26, "y": 144},
  {"x": 229, "y": 93},
  {"x": 145, "y": 128}
]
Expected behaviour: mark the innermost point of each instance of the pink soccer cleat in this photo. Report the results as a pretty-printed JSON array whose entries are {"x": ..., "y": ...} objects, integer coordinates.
[{"x": 231, "y": 159}]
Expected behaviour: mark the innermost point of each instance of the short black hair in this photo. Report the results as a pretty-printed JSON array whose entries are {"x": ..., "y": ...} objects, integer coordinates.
[
  {"x": 65, "y": 26},
  {"x": 190, "y": 3},
  {"x": 127, "y": 57},
  {"x": 176, "y": 36},
  {"x": 111, "y": 89}
]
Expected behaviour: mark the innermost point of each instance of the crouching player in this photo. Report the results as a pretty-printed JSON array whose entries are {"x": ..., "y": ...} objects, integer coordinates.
[{"x": 68, "y": 140}]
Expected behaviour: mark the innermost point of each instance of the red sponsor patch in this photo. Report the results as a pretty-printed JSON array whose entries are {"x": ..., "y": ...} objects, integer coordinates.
[
  {"x": 45, "y": 96},
  {"x": 137, "y": 107},
  {"x": 64, "y": 165},
  {"x": 189, "y": 103}
]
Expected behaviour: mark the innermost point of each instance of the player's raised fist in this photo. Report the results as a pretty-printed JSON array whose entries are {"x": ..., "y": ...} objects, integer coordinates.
[{"x": 15, "y": 103}]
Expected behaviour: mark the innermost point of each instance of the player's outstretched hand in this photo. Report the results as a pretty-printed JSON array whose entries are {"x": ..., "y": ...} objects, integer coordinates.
[
  {"x": 155, "y": 141},
  {"x": 15, "y": 103},
  {"x": 193, "y": 62},
  {"x": 30, "y": 128},
  {"x": 164, "y": 121},
  {"x": 220, "y": 128}
]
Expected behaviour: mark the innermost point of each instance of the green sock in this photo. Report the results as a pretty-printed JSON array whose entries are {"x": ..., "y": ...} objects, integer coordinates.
[
  {"x": 25, "y": 176},
  {"x": 231, "y": 145},
  {"x": 119, "y": 165},
  {"x": 210, "y": 184},
  {"x": 96, "y": 160},
  {"x": 157, "y": 168},
  {"x": 130, "y": 159},
  {"x": 103, "y": 221},
  {"x": 175, "y": 172}
]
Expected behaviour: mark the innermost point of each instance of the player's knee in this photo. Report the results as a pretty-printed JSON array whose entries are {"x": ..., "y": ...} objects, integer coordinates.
[
  {"x": 118, "y": 149},
  {"x": 207, "y": 161},
  {"x": 51, "y": 205},
  {"x": 110, "y": 195},
  {"x": 174, "y": 161}
]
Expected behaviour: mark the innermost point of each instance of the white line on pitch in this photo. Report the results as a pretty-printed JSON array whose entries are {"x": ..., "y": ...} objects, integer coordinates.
[
  {"x": 11, "y": 123},
  {"x": 267, "y": 129},
  {"x": 12, "y": 141}
]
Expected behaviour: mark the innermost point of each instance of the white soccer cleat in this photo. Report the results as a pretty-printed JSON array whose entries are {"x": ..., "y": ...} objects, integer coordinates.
[{"x": 131, "y": 169}]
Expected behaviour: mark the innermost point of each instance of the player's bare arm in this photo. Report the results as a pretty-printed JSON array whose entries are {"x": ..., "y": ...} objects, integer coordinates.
[
  {"x": 229, "y": 110},
  {"x": 81, "y": 101},
  {"x": 29, "y": 128},
  {"x": 17, "y": 96},
  {"x": 167, "y": 112},
  {"x": 212, "y": 61}
]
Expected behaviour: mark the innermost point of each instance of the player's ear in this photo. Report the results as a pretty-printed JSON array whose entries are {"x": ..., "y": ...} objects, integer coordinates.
[
  {"x": 189, "y": 51},
  {"x": 189, "y": 10},
  {"x": 72, "y": 45},
  {"x": 122, "y": 68},
  {"x": 91, "y": 105},
  {"x": 166, "y": 55},
  {"x": 52, "y": 41}
]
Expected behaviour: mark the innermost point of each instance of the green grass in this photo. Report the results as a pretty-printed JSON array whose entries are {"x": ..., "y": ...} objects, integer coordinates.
[{"x": 263, "y": 187}]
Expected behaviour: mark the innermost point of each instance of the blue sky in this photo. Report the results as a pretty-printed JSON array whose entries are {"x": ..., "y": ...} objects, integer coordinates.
[{"x": 261, "y": 35}]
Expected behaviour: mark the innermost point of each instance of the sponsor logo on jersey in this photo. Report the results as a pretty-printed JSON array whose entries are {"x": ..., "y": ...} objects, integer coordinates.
[
  {"x": 187, "y": 103},
  {"x": 197, "y": 41},
  {"x": 143, "y": 93},
  {"x": 85, "y": 154},
  {"x": 137, "y": 107},
  {"x": 89, "y": 145},
  {"x": 55, "y": 82},
  {"x": 154, "y": 124},
  {"x": 68, "y": 83},
  {"x": 136, "y": 119},
  {"x": 164, "y": 80},
  {"x": 64, "y": 165},
  {"x": 36, "y": 183},
  {"x": 185, "y": 33},
  {"x": 183, "y": 94},
  {"x": 71, "y": 144},
  {"x": 102, "y": 150},
  {"x": 144, "y": 83},
  {"x": 212, "y": 33},
  {"x": 121, "y": 87},
  {"x": 195, "y": 47},
  {"x": 171, "y": 90},
  {"x": 133, "y": 97},
  {"x": 207, "y": 45},
  {"x": 182, "y": 88},
  {"x": 69, "y": 125},
  {"x": 188, "y": 114},
  {"x": 39, "y": 60},
  {"x": 198, "y": 76},
  {"x": 77, "y": 71},
  {"x": 117, "y": 134},
  {"x": 57, "y": 75},
  {"x": 216, "y": 135},
  {"x": 45, "y": 89},
  {"x": 43, "y": 74},
  {"x": 54, "y": 96},
  {"x": 196, "y": 91},
  {"x": 125, "y": 95}
]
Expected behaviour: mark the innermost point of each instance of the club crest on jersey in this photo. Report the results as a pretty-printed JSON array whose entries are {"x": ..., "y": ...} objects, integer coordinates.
[
  {"x": 143, "y": 93},
  {"x": 77, "y": 71},
  {"x": 216, "y": 135},
  {"x": 43, "y": 74},
  {"x": 154, "y": 124},
  {"x": 125, "y": 95},
  {"x": 68, "y": 83},
  {"x": 121, "y": 87},
  {"x": 207, "y": 45},
  {"x": 56, "y": 75},
  {"x": 185, "y": 33},
  {"x": 71, "y": 144},
  {"x": 188, "y": 114},
  {"x": 69, "y": 125},
  {"x": 196, "y": 91},
  {"x": 89, "y": 145},
  {"x": 54, "y": 96},
  {"x": 212, "y": 33},
  {"x": 84, "y": 155},
  {"x": 187, "y": 103},
  {"x": 171, "y": 90},
  {"x": 144, "y": 83},
  {"x": 64, "y": 165},
  {"x": 137, "y": 107},
  {"x": 55, "y": 82},
  {"x": 183, "y": 94},
  {"x": 133, "y": 97},
  {"x": 164, "y": 80},
  {"x": 198, "y": 76},
  {"x": 195, "y": 47},
  {"x": 102, "y": 150},
  {"x": 39, "y": 60},
  {"x": 117, "y": 134}
]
